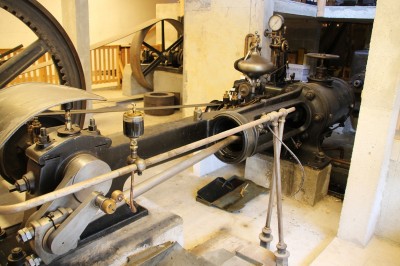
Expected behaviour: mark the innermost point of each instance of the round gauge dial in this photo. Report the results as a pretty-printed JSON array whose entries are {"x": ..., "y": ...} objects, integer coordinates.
[{"x": 276, "y": 22}]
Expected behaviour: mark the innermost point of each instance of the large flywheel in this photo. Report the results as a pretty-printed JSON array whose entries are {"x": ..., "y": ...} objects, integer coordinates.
[
  {"x": 159, "y": 55},
  {"x": 52, "y": 39}
]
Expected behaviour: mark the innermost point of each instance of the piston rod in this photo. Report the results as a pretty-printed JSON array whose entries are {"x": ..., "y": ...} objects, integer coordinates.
[{"x": 37, "y": 201}]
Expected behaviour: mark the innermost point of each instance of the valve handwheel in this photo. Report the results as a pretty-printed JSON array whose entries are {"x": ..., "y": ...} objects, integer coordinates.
[{"x": 321, "y": 72}]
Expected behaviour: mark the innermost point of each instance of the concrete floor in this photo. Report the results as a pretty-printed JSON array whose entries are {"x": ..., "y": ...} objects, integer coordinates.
[{"x": 310, "y": 232}]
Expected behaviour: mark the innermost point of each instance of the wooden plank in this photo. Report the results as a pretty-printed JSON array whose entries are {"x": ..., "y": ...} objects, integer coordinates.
[
  {"x": 108, "y": 68},
  {"x": 96, "y": 52},
  {"x": 112, "y": 64}
]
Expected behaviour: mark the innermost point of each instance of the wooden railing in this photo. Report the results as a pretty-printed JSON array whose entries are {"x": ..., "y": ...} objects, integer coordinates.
[{"x": 107, "y": 64}]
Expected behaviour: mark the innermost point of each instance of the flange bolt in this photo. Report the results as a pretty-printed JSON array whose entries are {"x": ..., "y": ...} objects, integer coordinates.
[{"x": 92, "y": 125}]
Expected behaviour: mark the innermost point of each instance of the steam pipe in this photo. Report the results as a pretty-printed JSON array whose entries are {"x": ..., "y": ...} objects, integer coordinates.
[{"x": 37, "y": 201}]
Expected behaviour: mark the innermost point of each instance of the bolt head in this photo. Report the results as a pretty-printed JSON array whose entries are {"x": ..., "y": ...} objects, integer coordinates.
[
  {"x": 17, "y": 253},
  {"x": 24, "y": 235},
  {"x": 20, "y": 184},
  {"x": 318, "y": 117},
  {"x": 310, "y": 95},
  {"x": 32, "y": 260}
]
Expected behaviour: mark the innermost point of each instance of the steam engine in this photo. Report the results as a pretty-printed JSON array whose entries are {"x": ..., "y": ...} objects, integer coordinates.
[{"x": 40, "y": 158}]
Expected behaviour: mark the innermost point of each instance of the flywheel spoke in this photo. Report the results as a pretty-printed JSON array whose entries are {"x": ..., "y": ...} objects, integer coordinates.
[
  {"x": 152, "y": 66},
  {"x": 17, "y": 64},
  {"x": 162, "y": 36},
  {"x": 161, "y": 57},
  {"x": 159, "y": 53},
  {"x": 175, "y": 44}
]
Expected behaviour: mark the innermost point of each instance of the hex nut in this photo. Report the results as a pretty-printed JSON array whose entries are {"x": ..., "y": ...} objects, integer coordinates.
[
  {"x": 25, "y": 234},
  {"x": 33, "y": 260}
]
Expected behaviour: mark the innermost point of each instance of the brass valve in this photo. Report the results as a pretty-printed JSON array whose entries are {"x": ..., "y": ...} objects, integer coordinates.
[{"x": 105, "y": 204}]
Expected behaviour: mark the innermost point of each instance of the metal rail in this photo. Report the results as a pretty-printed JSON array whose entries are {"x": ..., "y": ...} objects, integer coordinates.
[{"x": 37, "y": 201}]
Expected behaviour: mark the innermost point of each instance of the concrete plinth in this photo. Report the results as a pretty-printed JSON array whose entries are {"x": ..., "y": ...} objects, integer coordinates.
[
  {"x": 315, "y": 187},
  {"x": 169, "y": 82},
  {"x": 158, "y": 227},
  {"x": 208, "y": 165},
  {"x": 163, "y": 81},
  {"x": 129, "y": 84}
]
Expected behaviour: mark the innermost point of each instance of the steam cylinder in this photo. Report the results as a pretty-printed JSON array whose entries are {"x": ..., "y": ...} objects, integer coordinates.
[{"x": 319, "y": 105}]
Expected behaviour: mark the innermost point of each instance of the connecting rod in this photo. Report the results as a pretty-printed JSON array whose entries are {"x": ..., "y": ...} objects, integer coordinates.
[{"x": 37, "y": 201}]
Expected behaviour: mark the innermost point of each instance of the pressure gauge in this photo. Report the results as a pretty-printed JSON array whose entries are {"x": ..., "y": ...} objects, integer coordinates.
[{"x": 276, "y": 22}]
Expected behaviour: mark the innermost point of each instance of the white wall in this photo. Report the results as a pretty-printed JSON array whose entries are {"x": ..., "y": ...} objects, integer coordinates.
[
  {"x": 109, "y": 18},
  {"x": 14, "y": 32},
  {"x": 375, "y": 131},
  {"x": 167, "y": 11},
  {"x": 214, "y": 40},
  {"x": 389, "y": 221},
  {"x": 106, "y": 18}
]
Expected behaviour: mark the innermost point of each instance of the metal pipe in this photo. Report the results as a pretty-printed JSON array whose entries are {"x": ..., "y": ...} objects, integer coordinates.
[
  {"x": 281, "y": 246},
  {"x": 40, "y": 200},
  {"x": 37, "y": 201},
  {"x": 340, "y": 161},
  {"x": 150, "y": 183},
  {"x": 273, "y": 180},
  {"x": 266, "y": 233}
]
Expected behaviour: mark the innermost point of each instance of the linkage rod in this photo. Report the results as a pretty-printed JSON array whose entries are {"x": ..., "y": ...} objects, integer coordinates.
[{"x": 150, "y": 183}]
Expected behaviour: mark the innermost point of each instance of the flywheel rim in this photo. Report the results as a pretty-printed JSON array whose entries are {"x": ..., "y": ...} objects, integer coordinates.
[
  {"x": 53, "y": 38},
  {"x": 59, "y": 45}
]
